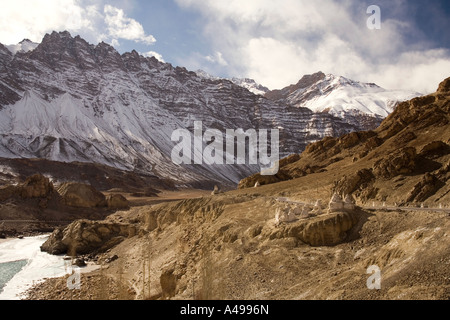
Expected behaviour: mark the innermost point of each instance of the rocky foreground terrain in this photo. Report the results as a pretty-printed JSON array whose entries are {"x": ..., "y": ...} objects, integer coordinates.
[{"x": 273, "y": 239}]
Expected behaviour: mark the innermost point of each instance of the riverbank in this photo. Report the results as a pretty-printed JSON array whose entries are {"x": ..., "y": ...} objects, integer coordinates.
[{"x": 36, "y": 265}]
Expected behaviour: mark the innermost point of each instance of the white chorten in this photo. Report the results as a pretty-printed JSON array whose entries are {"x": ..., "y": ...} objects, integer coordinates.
[
  {"x": 349, "y": 203},
  {"x": 336, "y": 204}
]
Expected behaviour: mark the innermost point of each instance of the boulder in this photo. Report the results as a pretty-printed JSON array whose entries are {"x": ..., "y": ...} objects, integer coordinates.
[
  {"x": 117, "y": 201},
  {"x": 85, "y": 237},
  {"x": 81, "y": 195},
  {"x": 80, "y": 263}
]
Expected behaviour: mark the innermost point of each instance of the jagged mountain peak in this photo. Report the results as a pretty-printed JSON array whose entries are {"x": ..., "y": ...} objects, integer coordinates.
[
  {"x": 308, "y": 80},
  {"x": 57, "y": 38},
  {"x": 340, "y": 96}
]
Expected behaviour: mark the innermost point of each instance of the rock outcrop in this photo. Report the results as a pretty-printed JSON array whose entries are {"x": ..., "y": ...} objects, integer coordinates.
[
  {"x": 81, "y": 195},
  {"x": 168, "y": 282},
  {"x": 435, "y": 149},
  {"x": 258, "y": 180},
  {"x": 355, "y": 183},
  {"x": 401, "y": 162},
  {"x": 444, "y": 86},
  {"x": 34, "y": 187},
  {"x": 349, "y": 203},
  {"x": 325, "y": 230},
  {"x": 117, "y": 201},
  {"x": 425, "y": 188},
  {"x": 84, "y": 237}
]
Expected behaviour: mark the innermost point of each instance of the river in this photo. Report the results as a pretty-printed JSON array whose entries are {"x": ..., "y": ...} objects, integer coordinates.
[{"x": 22, "y": 264}]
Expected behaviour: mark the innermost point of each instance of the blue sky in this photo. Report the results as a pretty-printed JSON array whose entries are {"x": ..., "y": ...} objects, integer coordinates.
[{"x": 273, "y": 42}]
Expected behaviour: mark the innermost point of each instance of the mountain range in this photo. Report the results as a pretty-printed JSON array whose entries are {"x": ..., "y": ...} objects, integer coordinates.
[{"x": 67, "y": 100}]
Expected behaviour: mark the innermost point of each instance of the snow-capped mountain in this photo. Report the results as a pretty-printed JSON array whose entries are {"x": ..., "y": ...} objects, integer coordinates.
[
  {"x": 340, "y": 96},
  {"x": 68, "y": 100},
  {"x": 249, "y": 84}
]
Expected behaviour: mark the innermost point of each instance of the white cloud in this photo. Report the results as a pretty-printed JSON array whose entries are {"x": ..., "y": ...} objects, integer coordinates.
[
  {"x": 121, "y": 27},
  {"x": 92, "y": 19},
  {"x": 217, "y": 58},
  {"x": 21, "y": 19},
  {"x": 115, "y": 43},
  {"x": 276, "y": 43},
  {"x": 157, "y": 55}
]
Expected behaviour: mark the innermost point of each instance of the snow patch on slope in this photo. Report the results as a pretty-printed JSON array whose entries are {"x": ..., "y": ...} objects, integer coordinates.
[{"x": 249, "y": 84}]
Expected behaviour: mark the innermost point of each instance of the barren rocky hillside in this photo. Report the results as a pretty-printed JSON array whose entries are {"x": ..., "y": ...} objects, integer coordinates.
[
  {"x": 405, "y": 161},
  {"x": 277, "y": 241}
]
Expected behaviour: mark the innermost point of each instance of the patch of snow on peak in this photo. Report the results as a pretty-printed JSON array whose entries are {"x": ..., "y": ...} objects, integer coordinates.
[
  {"x": 339, "y": 95},
  {"x": 23, "y": 46}
]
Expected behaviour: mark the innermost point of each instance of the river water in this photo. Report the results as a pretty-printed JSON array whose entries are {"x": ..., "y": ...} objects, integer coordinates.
[{"x": 22, "y": 264}]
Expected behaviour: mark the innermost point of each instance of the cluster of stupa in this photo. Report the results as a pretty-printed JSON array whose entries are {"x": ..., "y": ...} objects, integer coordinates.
[
  {"x": 290, "y": 212},
  {"x": 297, "y": 211},
  {"x": 339, "y": 205}
]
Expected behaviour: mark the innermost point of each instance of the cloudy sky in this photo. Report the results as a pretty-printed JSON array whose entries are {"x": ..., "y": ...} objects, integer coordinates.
[{"x": 273, "y": 42}]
